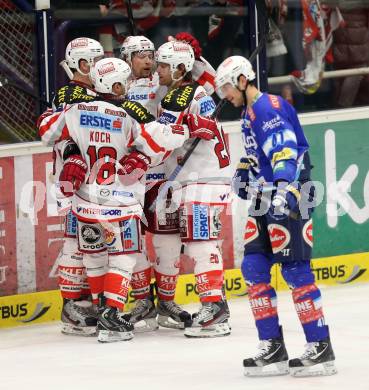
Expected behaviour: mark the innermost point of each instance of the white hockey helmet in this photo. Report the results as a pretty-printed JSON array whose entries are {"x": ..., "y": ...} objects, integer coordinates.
[
  {"x": 176, "y": 53},
  {"x": 109, "y": 71},
  {"x": 230, "y": 70},
  {"x": 83, "y": 49},
  {"x": 134, "y": 44}
]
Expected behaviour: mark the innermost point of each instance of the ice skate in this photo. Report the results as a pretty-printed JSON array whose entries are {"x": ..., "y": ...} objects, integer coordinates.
[
  {"x": 78, "y": 318},
  {"x": 318, "y": 359},
  {"x": 112, "y": 326},
  {"x": 210, "y": 321},
  {"x": 143, "y": 316},
  {"x": 271, "y": 360},
  {"x": 171, "y": 315}
]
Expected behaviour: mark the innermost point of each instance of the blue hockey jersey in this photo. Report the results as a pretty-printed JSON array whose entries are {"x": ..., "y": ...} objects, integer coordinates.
[{"x": 273, "y": 139}]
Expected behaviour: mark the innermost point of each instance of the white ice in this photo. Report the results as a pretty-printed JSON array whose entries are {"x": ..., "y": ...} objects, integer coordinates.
[{"x": 39, "y": 357}]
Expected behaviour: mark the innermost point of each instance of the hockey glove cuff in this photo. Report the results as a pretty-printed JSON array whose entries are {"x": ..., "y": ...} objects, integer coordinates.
[{"x": 72, "y": 175}]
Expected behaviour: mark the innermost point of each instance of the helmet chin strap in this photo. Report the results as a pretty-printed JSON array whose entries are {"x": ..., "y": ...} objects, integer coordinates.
[
  {"x": 243, "y": 92},
  {"x": 174, "y": 80},
  {"x": 81, "y": 73}
]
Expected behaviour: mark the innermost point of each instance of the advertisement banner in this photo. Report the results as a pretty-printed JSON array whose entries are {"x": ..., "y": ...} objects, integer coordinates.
[
  {"x": 30, "y": 230},
  {"x": 339, "y": 153},
  {"x": 45, "y": 306}
]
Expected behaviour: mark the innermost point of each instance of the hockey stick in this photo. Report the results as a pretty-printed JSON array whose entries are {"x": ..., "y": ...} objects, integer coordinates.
[
  {"x": 187, "y": 155},
  {"x": 4, "y": 82},
  {"x": 131, "y": 21},
  {"x": 261, "y": 8},
  {"x": 66, "y": 68}
]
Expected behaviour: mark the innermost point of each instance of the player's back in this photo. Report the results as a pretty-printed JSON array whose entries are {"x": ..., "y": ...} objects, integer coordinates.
[
  {"x": 102, "y": 132},
  {"x": 210, "y": 160}
]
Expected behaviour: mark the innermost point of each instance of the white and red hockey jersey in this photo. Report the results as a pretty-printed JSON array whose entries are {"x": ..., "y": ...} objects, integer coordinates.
[
  {"x": 105, "y": 133},
  {"x": 210, "y": 160}
]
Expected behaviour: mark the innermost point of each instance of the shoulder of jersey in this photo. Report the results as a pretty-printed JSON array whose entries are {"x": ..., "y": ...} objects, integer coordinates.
[
  {"x": 179, "y": 98},
  {"x": 264, "y": 105},
  {"x": 270, "y": 101},
  {"x": 137, "y": 111},
  {"x": 70, "y": 94}
]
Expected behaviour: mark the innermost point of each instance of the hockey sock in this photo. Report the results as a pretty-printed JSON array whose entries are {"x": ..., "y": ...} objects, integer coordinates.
[
  {"x": 141, "y": 277},
  {"x": 308, "y": 304},
  {"x": 263, "y": 302},
  {"x": 307, "y": 299},
  {"x": 166, "y": 285},
  {"x": 262, "y": 296}
]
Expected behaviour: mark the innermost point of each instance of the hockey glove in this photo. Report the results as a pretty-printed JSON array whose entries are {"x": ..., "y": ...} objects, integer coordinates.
[
  {"x": 284, "y": 200},
  {"x": 192, "y": 41},
  {"x": 44, "y": 115},
  {"x": 201, "y": 127},
  {"x": 240, "y": 180},
  {"x": 72, "y": 175},
  {"x": 133, "y": 167}
]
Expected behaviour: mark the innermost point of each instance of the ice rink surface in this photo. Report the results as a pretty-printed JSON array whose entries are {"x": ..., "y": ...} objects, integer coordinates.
[{"x": 39, "y": 357}]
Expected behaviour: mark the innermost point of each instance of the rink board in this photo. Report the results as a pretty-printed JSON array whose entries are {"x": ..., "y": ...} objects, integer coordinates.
[{"x": 45, "y": 306}]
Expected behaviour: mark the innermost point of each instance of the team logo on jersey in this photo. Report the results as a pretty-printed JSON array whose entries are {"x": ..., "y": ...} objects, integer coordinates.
[
  {"x": 109, "y": 238},
  {"x": 307, "y": 232},
  {"x": 279, "y": 237},
  {"x": 91, "y": 234},
  {"x": 251, "y": 230}
]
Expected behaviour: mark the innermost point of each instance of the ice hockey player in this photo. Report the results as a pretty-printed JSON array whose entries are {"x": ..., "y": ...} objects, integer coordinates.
[
  {"x": 202, "y": 183},
  {"x": 276, "y": 157},
  {"x": 78, "y": 316},
  {"x": 108, "y": 204},
  {"x": 144, "y": 87}
]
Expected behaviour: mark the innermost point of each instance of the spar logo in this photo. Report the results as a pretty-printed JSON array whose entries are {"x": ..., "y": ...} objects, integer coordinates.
[
  {"x": 251, "y": 230},
  {"x": 307, "y": 232},
  {"x": 22, "y": 312},
  {"x": 279, "y": 237}
]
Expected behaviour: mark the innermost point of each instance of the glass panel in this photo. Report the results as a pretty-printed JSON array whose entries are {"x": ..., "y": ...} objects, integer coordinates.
[{"x": 18, "y": 111}]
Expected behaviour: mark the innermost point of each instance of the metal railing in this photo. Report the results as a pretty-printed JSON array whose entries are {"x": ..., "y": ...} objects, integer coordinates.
[{"x": 331, "y": 74}]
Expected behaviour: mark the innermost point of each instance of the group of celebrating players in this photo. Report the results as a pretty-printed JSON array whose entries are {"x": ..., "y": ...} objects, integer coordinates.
[{"x": 119, "y": 129}]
